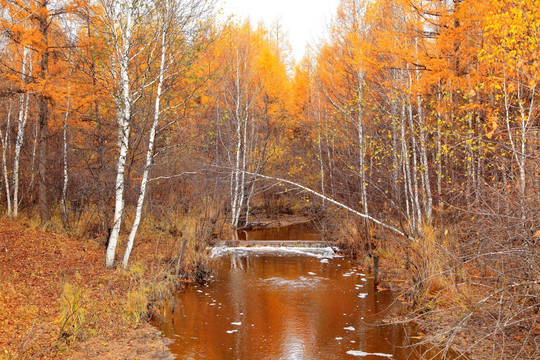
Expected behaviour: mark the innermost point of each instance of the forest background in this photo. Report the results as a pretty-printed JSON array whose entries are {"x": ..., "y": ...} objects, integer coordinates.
[{"x": 410, "y": 133}]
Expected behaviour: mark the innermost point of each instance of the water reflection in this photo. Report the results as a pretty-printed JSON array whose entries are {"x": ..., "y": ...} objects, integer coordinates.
[
  {"x": 284, "y": 306},
  {"x": 302, "y": 231}
]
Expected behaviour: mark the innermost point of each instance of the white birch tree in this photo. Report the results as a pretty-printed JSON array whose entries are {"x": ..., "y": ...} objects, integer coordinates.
[
  {"x": 4, "y": 139},
  {"x": 122, "y": 20},
  {"x": 21, "y": 125},
  {"x": 178, "y": 20}
]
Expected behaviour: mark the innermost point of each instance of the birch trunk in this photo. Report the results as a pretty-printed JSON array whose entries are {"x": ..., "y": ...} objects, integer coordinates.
[
  {"x": 471, "y": 178},
  {"x": 238, "y": 126},
  {"x": 427, "y": 199},
  {"x": 319, "y": 140},
  {"x": 149, "y": 154},
  {"x": 242, "y": 103},
  {"x": 329, "y": 153},
  {"x": 518, "y": 154},
  {"x": 428, "y": 203},
  {"x": 396, "y": 166},
  {"x": 524, "y": 127},
  {"x": 123, "y": 119},
  {"x": 409, "y": 196},
  {"x": 416, "y": 201},
  {"x": 33, "y": 161},
  {"x": 438, "y": 155},
  {"x": 65, "y": 153},
  {"x": 23, "y": 116},
  {"x": 361, "y": 144},
  {"x": 5, "y": 139},
  {"x": 362, "y": 215}
]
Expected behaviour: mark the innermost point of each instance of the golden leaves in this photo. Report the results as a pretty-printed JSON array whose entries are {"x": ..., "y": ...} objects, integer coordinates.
[{"x": 493, "y": 123}]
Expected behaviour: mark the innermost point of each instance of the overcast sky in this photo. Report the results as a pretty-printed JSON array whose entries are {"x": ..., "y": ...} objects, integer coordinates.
[{"x": 305, "y": 21}]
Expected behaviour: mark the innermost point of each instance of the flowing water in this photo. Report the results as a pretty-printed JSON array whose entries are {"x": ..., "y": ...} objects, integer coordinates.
[{"x": 285, "y": 304}]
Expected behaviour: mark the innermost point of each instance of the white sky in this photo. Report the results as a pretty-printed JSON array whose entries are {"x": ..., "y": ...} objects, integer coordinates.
[{"x": 305, "y": 21}]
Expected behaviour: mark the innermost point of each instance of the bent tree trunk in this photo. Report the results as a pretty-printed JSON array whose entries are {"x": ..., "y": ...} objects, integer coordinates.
[{"x": 341, "y": 205}]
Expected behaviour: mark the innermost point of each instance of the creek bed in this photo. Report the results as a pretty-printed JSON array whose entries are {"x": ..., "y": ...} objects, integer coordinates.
[{"x": 285, "y": 303}]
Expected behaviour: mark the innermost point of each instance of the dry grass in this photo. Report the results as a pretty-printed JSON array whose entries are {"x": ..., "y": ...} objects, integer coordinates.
[
  {"x": 437, "y": 276},
  {"x": 73, "y": 314}
]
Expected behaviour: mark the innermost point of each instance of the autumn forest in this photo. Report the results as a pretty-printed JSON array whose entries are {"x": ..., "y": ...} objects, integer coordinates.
[{"x": 410, "y": 134}]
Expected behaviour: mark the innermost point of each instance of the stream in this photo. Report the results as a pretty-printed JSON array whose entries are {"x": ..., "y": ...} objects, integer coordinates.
[{"x": 285, "y": 303}]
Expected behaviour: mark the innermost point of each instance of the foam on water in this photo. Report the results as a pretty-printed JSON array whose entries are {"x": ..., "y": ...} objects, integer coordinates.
[
  {"x": 320, "y": 253},
  {"x": 301, "y": 282},
  {"x": 362, "y": 353}
]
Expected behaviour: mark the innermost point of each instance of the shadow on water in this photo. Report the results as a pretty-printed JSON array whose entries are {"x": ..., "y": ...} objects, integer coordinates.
[{"x": 285, "y": 305}]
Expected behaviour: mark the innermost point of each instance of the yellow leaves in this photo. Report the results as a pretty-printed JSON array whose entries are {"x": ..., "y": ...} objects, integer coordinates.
[{"x": 493, "y": 123}]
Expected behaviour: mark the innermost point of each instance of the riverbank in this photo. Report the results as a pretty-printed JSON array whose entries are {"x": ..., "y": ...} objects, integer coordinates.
[
  {"x": 58, "y": 300},
  {"x": 459, "y": 298}
]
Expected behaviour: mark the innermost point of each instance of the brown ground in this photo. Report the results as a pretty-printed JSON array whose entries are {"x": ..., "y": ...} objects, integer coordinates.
[{"x": 35, "y": 267}]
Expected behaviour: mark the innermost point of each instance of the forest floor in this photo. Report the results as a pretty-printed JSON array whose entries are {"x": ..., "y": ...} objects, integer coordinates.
[{"x": 57, "y": 299}]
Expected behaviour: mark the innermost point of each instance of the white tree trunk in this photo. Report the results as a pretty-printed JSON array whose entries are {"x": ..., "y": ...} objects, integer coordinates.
[
  {"x": 428, "y": 199},
  {"x": 424, "y": 174},
  {"x": 5, "y": 139},
  {"x": 149, "y": 153},
  {"x": 124, "y": 103},
  {"x": 242, "y": 120},
  {"x": 414, "y": 175},
  {"x": 409, "y": 196},
  {"x": 23, "y": 116},
  {"x": 65, "y": 152},
  {"x": 438, "y": 155},
  {"x": 319, "y": 140},
  {"x": 396, "y": 164},
  {"x": 362, "y": 144},
  {"x": 236, "y": 177},
  {"x": 524, "y": 129},
  {"x": 34, "y": 152},
  {"x": 365, "y": 216},
  {"x": 519, "y": 155}
]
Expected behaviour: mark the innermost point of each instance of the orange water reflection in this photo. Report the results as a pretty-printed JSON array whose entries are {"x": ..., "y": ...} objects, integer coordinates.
[{"x": 284, "y": 306}]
